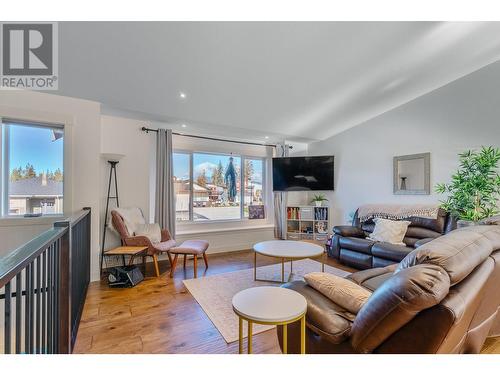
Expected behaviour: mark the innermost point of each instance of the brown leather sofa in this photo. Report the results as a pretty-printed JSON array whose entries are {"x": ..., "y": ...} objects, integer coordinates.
[
  {"x": 350, "y": 245},
  {"x": 442, "y": 298}
]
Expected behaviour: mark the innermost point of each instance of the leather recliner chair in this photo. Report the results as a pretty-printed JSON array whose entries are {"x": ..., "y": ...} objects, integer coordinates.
[
  {"x": 350, "y": 245},
  {"x": 442, "y": 298}
]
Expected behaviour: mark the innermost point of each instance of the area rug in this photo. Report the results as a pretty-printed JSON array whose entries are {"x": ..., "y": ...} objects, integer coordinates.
[{"x": 215, "y": 293}]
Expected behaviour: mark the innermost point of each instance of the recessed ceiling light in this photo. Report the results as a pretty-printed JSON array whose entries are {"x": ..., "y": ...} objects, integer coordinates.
[
  {"x": 182, "y": 95},
  {"x": 183, "y": 125},
  {"x": 266, "y": 137}
]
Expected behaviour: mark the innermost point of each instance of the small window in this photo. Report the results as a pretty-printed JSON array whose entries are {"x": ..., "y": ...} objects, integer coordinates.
[{"x": 32, "y": 169}]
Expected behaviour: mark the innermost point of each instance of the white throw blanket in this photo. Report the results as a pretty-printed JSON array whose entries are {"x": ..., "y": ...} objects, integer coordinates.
[
  {"x": 397, "y": 211},
  {"x": 132, "y": 217}
]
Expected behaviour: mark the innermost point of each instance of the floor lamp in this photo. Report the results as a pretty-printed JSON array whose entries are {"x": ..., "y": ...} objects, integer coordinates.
[{"x": 113, "y": 160}]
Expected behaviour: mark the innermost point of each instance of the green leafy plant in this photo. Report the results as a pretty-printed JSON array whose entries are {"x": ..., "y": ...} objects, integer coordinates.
[
  {"x": 319, "y": 198},
  {"x": 474, "y": 189}
]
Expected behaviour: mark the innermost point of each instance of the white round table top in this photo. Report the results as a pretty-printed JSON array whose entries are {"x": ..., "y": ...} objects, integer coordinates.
[
  {"x": 288, "y": 249},
  {"x": 269, "y": 304}
]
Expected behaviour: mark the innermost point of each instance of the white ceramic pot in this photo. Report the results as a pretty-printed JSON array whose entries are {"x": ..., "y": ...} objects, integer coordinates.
[{"x": 318, "y": 203}]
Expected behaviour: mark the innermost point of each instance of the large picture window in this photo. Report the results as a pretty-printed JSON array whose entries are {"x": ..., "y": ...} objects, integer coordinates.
[
  {"x": 32, "y": 169},
  {"x": 216, "y": 186}
]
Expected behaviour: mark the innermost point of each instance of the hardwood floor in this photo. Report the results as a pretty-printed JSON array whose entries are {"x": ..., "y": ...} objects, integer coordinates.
[{"x": 160, "y": 316}]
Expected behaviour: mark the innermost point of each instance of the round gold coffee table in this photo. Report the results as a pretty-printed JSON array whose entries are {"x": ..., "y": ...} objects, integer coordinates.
[
  {"x": 270, "y": 305},
  {"x": 286, "y": 250}
]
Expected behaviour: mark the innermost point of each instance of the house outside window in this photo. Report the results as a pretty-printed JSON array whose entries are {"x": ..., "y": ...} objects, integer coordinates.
[
  {"x": 32, "y": 168},
  {"x": 216, "y": 187}
]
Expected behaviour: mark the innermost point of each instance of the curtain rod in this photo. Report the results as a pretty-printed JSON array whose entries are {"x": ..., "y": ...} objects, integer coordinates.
[{"x": 147, "y": 130}]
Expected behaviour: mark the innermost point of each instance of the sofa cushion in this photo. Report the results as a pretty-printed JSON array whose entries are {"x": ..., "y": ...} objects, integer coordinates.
[
  {"x": 375, "y": 282},
  {"x": 348, "y": 231},
  {"x": 357, "y": 259},
  {"x": 396, "y": 302},
  {"x": 390, "y": 251},
  {"x": 372, "y": 278},
  {"x": 344, "y": 292},
  {"x": 324, "y": 316},
  {"x": 410, "y": 241},
  {"x": 392, "y": 231},
  {"x": 423, "y": 241},
  {"x": 419, "y": 232},
  {"x": 458, "y": 252},
  {"x": 361, "y": 276},
  {"x": 361, "y": 245}
]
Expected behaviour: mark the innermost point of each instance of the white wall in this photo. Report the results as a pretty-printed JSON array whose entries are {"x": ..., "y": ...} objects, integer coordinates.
[
  {"x": 462, "y": 115},
  {"x": 122, "y": 136},
  {"x": 136, "y": 183},
  {"x": 81, "y": 176}
]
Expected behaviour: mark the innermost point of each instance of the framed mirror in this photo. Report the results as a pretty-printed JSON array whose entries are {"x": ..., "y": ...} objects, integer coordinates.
[{"x": 412, "y": 174}]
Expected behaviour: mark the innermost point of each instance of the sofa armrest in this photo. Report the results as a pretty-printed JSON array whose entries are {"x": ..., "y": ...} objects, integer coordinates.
[
  {"x": 423, "y": 241},
  {"x": 348, "y": 231}
]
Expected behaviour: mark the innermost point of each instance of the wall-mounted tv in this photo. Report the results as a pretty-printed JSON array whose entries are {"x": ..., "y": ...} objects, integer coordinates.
[{"x": 304, "y": 173}]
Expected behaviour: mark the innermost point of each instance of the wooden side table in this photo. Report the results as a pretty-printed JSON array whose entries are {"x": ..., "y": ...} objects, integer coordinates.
[
  {"x": 131, "y": 251},
  {"x": 271, "y": 306}
]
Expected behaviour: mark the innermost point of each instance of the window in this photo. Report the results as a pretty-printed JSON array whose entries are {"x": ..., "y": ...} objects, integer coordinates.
[
  {"x": 213, "y": 186},
  {"x": 253, "y": 183},
  {"x": 32, "y": 168}
]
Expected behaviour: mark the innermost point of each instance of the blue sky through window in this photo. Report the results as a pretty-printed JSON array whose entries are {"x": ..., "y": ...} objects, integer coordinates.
[
  {"x": 34, "y": 145},
  {"x": 208, "y": 162},
  {"x": 181, "y": 166}
]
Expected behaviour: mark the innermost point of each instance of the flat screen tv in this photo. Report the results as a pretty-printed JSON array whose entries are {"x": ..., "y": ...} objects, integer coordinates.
[{"x": 304, "y": 173}]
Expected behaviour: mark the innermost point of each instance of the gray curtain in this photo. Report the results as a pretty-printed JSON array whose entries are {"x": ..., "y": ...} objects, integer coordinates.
[
  {"x": 164, "y": 197},
  {"x": 280, "y": 200}
]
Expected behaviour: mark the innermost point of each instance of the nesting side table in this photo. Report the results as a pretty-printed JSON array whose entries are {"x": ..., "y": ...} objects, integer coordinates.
[{"x": 270, "y": 305}]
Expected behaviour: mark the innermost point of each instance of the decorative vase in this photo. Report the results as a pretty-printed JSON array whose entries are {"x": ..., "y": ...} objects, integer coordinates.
[
  {"x": 403, "y": 183},
  {"x": 318, "y": 203},
  {"x": 466, "y": 223}
]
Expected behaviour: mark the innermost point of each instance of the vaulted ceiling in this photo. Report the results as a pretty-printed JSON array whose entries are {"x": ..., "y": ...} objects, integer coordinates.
[{"x": 300, "y": 80}]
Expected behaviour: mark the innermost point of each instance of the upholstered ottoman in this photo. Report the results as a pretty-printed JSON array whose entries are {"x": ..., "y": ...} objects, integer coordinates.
[{"x": 189, "y": 247}]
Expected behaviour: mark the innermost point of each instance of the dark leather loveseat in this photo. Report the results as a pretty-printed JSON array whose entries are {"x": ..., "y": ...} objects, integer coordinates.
[
  {"x": 442, "y": 298},
  {"x": 350, "y": 245}
]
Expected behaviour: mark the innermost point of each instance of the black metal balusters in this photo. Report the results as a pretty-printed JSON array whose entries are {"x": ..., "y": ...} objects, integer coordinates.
[{"x": 43, "y": 314}]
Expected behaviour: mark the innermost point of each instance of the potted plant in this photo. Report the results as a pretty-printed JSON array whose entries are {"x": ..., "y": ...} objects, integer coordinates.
[
  {"x": 318, "y": 199},
  {"x": 474, "y": 189}
]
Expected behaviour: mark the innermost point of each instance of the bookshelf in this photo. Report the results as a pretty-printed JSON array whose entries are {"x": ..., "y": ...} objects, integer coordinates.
[{"x": 308, "y": 223}]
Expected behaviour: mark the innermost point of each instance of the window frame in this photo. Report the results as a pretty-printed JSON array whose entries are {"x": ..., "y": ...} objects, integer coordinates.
[
  {"x": 4, "y": 166},
  {"x": 242, "y": 157}
]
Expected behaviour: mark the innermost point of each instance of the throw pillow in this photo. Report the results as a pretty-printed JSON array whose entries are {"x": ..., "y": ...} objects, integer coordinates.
[
  {"x": 151, "y": 231},
  {"x": 343, "y": 292},
  {"x": 392, "y": 231}
]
